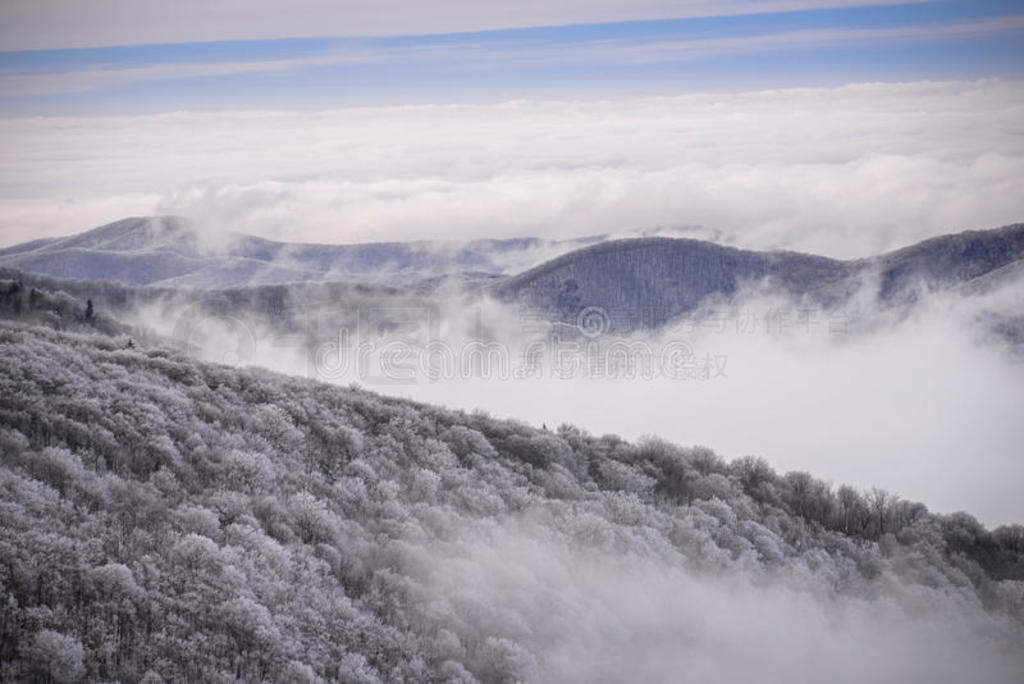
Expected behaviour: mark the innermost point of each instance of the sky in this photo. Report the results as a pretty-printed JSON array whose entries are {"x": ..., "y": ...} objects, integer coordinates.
[{"x": 111, "y": 57}]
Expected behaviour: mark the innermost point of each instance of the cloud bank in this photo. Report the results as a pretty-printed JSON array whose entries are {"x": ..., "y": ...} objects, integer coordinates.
[
  {"x": 920, "y": 408},
  {"x": 621, "y": 615},
  {"x": 843, "y": 171}
]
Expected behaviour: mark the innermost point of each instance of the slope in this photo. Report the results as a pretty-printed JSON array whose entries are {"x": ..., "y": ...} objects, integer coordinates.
[{"x": 162, "y": 519}]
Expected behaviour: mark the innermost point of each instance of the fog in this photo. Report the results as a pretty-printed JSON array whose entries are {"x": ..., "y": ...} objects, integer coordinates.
[
  {"x": 922, "y": 410},
  {"x": 572, "y": 600},
  {"x": 843, "y": 172},
  {"x": 922, "y": 401}
]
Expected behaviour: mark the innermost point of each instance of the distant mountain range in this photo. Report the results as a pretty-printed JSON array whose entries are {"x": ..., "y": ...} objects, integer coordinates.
[
  {"x": 171, "y": 252},
  {"x": 637, "y": 283}
]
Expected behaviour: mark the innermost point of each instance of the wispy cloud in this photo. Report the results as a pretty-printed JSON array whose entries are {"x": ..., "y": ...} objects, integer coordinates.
[
  {"x": 58, "y": 24},
  {"x": 673, "y": 50},
  {"x": 15, "y": 84},
  {"x": 623, "y": 51},
  {"x": 633, "y": 51}
]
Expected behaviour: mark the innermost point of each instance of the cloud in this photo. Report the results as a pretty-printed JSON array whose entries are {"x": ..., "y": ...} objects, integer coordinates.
[
  {"x": 632, "y": 51},
  {"x": 918, "y": 408},
  {"x": 14, "y": 84},
  {"x": 639, "y": 612},
  {"x": 667, "y": 51},
  {"x": 49, "y": 24},
  {"x": 840, "y": 171}
]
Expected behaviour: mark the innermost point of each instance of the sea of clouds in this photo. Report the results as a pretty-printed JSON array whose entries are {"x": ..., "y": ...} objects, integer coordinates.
[{"x": 845, "y": 172}]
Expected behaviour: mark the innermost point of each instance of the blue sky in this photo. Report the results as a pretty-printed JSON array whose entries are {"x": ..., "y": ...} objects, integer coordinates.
[{"x": 810, "y": 44}]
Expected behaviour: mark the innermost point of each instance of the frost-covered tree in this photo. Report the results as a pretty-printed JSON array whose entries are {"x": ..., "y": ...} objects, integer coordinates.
[{"x": 168, "y": 520}]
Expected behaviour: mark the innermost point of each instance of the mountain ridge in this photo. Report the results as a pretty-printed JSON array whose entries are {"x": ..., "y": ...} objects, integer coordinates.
[
  {"x": 191, "y": 260},
  {"x": 642, "y": 282},
  {"x": 654, "y": 280},
  {"x": 689, "y": 270}
]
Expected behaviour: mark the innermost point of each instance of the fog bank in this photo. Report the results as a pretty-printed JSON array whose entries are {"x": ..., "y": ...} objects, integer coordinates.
[{"x": 803, "y": 169}]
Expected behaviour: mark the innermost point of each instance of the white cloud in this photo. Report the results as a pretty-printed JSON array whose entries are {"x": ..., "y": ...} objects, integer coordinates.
[
  {"x": 844, "y": 171},
  {"x": 41, "y": 24},
  {"x": 639, "y": 612}
]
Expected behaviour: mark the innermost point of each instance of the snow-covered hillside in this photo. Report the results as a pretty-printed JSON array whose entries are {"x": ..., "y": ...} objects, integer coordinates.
[{"x": 167, "y": 520}]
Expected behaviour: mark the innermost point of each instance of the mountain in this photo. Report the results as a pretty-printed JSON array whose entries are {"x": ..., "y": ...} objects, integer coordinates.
[
  {"x": 645, "y": 283},
  {"x": 168, "y": 520},
  {"x": 947, "y": 260},
  {"x": 172, "y": 252},
  {"x": 625, "y": 284}
]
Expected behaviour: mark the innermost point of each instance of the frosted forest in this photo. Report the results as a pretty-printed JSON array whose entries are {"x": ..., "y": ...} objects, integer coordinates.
[{"x": 165, "y": 519}]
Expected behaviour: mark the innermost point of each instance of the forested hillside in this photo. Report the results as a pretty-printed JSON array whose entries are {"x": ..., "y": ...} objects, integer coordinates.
[
  {"x": 167, "y": 520},
  {"x": 948, "y": 259},
  {"x": 655, "y": 281},
  {"x": 302, "y": 314},
  {"x": 55, "y": 309}
]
